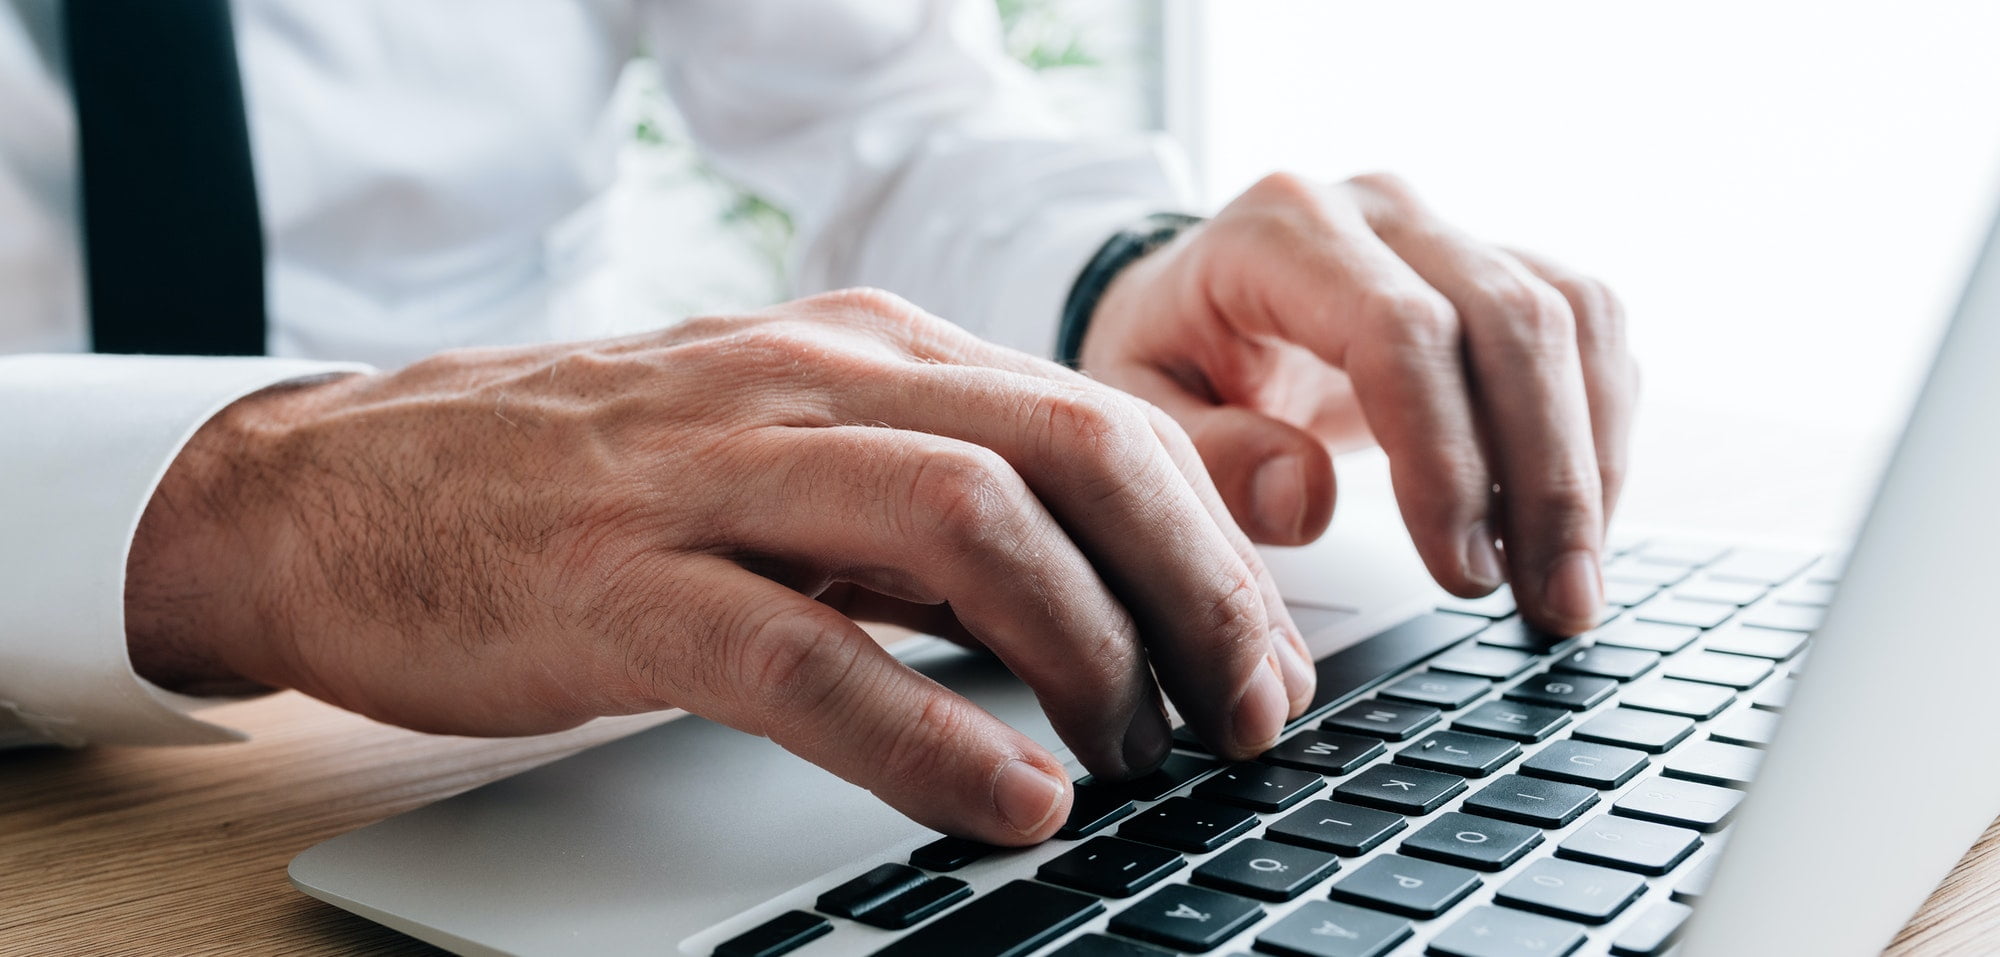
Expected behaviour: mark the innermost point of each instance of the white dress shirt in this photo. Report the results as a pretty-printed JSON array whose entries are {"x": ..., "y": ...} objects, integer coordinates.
[{"x": 430, "y": 175}]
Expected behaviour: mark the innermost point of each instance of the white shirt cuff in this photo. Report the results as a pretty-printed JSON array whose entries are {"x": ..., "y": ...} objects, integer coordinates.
[{"x": 87, "y": 440}]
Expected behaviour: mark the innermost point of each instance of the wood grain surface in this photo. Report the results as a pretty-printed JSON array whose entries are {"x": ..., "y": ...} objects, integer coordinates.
[{"x": 183, "y": 850}]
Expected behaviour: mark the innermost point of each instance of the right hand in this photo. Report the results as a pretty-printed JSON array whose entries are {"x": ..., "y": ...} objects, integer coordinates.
[{"x": 512, "y": 541}]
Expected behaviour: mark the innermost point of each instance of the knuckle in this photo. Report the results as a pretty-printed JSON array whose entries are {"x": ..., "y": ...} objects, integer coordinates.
[
  {"x": 1600, "y": 317},
  {"x": 1527, "y": 310},
  {"x": 788, "y": 668},
  {"x": 1387, "y": 187},
  {"x": 1572, "y": 491},
  {"x": 873, "y": 302},
  {"x": 1101, "y": 429},
  {"x": 922, "y": 750},
  {"x": 1285, "y": 187},
  {"x": 1237, "y": 611},
  {"x": 1421, "y": 319},
  {"x": 964, "y": 496}
]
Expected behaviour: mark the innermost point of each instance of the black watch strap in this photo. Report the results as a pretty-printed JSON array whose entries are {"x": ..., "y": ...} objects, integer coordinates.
[{"x": 1121, "y": 250}]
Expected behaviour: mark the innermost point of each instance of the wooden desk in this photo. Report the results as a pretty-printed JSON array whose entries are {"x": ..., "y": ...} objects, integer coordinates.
[{"x": 183, "y": 850}]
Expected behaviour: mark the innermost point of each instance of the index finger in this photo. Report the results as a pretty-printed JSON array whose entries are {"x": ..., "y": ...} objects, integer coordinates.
[{"x": 1528, "y": 388}]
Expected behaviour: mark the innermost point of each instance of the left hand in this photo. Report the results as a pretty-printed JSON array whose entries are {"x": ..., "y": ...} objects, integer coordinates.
[{"x": 1306, "y": 318}]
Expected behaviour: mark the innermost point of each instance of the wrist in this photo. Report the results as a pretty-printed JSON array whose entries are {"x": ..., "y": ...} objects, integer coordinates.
[
  {"x": 200, "y": 574},
  {"x": 1094, "y": 283}
]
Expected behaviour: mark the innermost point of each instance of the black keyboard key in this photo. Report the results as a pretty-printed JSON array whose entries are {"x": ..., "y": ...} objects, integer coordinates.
[
  {"x": 1323, "y": 752},
  {"x": 1357, "y": 666},
  {"x": 780, "y": 935},
  {"x": 1438, "y": 689},
  {"x": 1685, "y": 698},
  {"x": 1266, "y": 870},
  {"x": 1499, "y": 604},
  {"x": 1260, "y": 787},
  {"x": 1329, "y": 929},
  {"x": 1749, "y": 727},
  {"x": 1484, "y": 661},
  {"x": 918, "y": 903},
  {"x": 1519, "y": 635},
  {"x": 1187, "y": 918},
  {"x": 949, "y": 853},
  {"x": 1009, "y": 921},
  {"x": 1653, "y": 932},
  {"x": 1756, "y": 642},
  {"x": 1406, "y": 885},
  {"x": 1186, "y": 740},
  {"x": 1707, "y": 667},
  {"x": 1098, "y": 945},
  {"x": 1480, "y": 843},
  {"x": 1775, "y": 695},
  {"x": 1712, "y": 762},
  {"x": 1558, "y": 690},
  {"x": 1111, "y": 867},
  {"x": 1332, "y": 826},
  {"x": 1799, "y": 618},
  {"x": 1646, "y": 636},
  {"x": 1629, "y": 844},
  {"x": 1510, "y": 719},
  {"x": 1608, "y": 661},
  {"x": 1383, "y": 719},
  {"x": 1600, "y": 766},
  {"x": 857, "y": 897},
  {"x": 1187, "y": 824},
  {"x": 1502, "y": 932},
  {"x": 1456, "y": 752},
  {"x": 1572, "y": 891},
  {"x": 1645, "y": 730},
  {"x": 1668, "y": 610},
  {"x": 1703, "y": 807},
  {"x": 1524, "y": 800},
  {"x": 1095, "y": 807},
  {"x": 1400, "y": 789},
  {"x": 1175, "y": 771}
]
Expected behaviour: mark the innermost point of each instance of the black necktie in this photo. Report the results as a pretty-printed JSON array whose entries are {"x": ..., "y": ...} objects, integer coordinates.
[{"x": 173, "y": 246}]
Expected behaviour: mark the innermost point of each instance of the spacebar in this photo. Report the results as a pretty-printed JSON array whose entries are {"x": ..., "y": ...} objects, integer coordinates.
[
  {"x": 1360, "y": 666},
  {"x": 1015, "y": 918}
]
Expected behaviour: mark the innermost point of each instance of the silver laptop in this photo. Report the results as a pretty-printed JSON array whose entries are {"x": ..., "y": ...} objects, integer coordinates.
[{"x": 1464, "y": 786}]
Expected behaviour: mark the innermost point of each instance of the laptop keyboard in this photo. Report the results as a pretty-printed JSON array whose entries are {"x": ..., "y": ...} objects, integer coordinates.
[{"x": 1501, "y": 793}]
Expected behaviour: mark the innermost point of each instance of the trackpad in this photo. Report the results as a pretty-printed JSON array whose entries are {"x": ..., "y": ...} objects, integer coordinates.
[{"x": 634, "y": 843}]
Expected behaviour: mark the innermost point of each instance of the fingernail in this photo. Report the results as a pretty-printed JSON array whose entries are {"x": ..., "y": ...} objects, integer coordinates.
[
  {"x": 1573, "y": 589},
  {"x": 1482, "y": 557},
  {"x": 1278, "y": 495},
  {"x": 1147, "y": 740},
  {"x": 1025, "y": 796},
  {"x": 1260, "y": 713},
  {"x": 1299, "y": 677}
]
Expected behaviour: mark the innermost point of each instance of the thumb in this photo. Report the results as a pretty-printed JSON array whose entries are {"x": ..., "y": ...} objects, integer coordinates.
[{"x": 1277, "y": 478}]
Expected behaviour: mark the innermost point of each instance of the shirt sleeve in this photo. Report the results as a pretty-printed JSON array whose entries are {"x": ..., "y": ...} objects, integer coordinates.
[
  {"x": 86, "y": 440},
  {"x": 911, "y": 152}
]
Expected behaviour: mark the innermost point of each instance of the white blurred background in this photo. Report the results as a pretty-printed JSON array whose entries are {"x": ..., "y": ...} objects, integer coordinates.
[{"x": 1785, "y": 194}]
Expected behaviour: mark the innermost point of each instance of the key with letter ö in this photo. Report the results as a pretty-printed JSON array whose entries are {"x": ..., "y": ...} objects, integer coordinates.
[{"x": 1266, "y": 870}]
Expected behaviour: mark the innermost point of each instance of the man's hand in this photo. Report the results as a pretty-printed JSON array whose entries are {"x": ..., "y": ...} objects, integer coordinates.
[
  {"x": 511, "y": 541},
  {"x": 1304, "y": 318}
]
